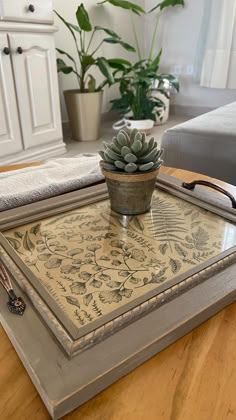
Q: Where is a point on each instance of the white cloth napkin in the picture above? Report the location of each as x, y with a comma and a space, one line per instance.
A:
54, 177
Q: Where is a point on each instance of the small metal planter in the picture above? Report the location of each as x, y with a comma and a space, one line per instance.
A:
130, 193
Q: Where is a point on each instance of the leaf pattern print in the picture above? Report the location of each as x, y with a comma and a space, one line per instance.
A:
92, 261
96, 283
53, 262
199, 239
72, 301
114, 284
110, 296
18, 234
175, 265
78, 288
163, 248
35, 229
87, 299
138, 223
14, 243
27, 243
182, 252
158, 277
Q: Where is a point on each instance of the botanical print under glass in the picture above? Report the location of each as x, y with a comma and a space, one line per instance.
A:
93, 261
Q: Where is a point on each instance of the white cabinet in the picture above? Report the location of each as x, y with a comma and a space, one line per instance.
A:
35, 74
30, 120
10, 135
38, 11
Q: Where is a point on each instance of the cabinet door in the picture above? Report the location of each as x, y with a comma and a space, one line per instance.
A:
37, 11
34, 66
10, 135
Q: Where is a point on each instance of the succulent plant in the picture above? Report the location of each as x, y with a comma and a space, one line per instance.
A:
131, 153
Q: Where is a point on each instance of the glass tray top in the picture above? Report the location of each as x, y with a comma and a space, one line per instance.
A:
91, 262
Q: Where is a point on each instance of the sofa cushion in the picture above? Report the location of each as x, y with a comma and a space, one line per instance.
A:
205, 144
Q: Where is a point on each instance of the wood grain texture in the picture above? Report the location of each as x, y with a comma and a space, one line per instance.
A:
193, 378
18, 166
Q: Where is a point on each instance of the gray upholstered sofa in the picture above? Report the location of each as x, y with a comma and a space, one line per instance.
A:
205, 144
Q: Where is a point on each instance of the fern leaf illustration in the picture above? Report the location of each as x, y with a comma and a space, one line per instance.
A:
175, 265
138, 224
96, 309
180, 250
163, 248
167, 222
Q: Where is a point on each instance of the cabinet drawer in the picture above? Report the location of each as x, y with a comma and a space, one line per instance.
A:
36, 11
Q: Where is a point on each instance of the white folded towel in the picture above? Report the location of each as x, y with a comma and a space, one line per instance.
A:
54, 177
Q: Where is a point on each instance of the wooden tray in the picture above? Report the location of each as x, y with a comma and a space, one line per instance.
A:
112, 290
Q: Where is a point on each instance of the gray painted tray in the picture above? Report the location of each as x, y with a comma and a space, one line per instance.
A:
93, 280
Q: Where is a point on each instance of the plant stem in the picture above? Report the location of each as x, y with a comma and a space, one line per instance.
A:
77, 74
91, 38
154, 36
78, 52
137, 111
82, 82
82, 72
135, 36
83, 41
99, 45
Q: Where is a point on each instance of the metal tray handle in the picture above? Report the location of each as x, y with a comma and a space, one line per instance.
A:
191, 185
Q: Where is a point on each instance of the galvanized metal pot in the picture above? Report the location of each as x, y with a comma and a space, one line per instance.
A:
130, 193
84, 110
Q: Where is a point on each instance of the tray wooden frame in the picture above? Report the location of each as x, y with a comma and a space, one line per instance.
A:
65, 383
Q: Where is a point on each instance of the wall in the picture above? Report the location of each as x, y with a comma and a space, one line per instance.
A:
107, 16
179, 36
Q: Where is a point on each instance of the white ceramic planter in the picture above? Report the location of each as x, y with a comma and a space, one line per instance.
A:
84, 110
163, 111
145, 126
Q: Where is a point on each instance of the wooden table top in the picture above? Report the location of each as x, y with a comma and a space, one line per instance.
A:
194, 378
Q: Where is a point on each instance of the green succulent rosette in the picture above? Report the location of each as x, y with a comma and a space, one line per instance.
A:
131, 153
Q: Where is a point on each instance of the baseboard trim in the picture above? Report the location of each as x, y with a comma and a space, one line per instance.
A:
36, 154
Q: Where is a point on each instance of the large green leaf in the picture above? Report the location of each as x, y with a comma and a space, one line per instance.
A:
118, 63
147, 106
105, 69
123, 104
139, 64
67, 55
167, 3
128, 47
108, 31
87, 61
62, 66
155, 62
125, 5
68, 25
91, 83
83, 19
102, 85
75, 27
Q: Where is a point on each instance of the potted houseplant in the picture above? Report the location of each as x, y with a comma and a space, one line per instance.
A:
84, 103
144, 93
139, 104
130, 165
